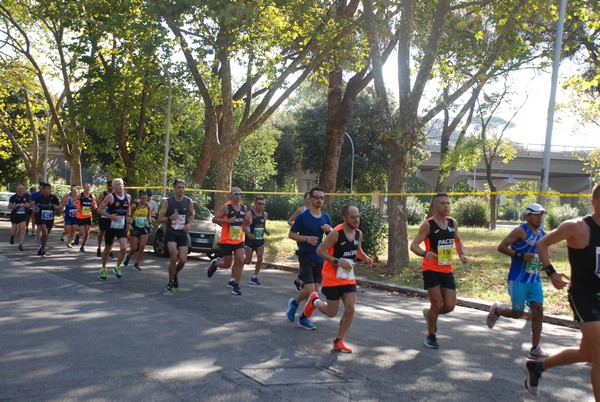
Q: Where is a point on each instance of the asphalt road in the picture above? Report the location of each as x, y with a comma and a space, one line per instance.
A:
67, 336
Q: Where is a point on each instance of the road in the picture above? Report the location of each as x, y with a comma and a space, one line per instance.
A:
67, 336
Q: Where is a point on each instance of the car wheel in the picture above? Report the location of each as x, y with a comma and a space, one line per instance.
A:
160, 245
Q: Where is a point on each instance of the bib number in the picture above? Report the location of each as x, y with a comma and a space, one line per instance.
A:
598, 261
445, 254
118, 223
21, 211
533, 266
179, 223
259, 233
235, 232
346, 274
72, 213
86, 211
141, 222
47, 215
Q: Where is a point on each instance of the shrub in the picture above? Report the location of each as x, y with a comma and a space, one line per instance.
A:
511, 214
415, 211
471, 211
281, 207
558, 215
372, 222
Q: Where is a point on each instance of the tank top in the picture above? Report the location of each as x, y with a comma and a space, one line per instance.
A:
585, 262
182, 208
257, 227
70, 208
343, 248
232, 233
17, 199
441, 242
104, 194
521, 270
84, 206
119, 206
140, 216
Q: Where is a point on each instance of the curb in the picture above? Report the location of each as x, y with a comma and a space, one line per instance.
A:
408, 291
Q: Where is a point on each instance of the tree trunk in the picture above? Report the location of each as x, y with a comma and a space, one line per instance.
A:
224, 164
398, 229
493, 196
335, 132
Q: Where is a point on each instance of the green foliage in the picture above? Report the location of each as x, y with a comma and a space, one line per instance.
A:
416, 211
511, 214
559, 214
255, 165
281, 207
372, 222
471, 212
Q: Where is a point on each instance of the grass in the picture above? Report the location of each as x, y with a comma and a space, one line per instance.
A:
484, 277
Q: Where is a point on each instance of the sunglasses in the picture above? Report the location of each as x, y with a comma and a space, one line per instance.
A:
238, 193
260, 203
318, 197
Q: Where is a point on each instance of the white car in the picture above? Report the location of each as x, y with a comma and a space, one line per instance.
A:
4, 197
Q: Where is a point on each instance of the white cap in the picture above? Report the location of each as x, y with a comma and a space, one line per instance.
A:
534, 209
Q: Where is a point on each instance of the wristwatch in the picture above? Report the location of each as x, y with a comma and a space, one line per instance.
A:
336, 261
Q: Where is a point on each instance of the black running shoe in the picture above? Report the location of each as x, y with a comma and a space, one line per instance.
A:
12, 240
236, 290
126, 261
175, 282
532, 376
212, 267
98, 253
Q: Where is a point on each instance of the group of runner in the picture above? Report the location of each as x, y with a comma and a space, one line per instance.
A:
327, 264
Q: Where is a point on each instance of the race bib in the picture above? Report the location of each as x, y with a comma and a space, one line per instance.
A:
259, 233
72, 213
47, 215
533, 266
598, 261
118, 223
86, 211
141, 222
445, 254
21, 210
235, 232
346, 274
179, 223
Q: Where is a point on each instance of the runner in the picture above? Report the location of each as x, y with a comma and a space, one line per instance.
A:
152, 205
37, 231
583, 246
45, 206
104, 222
85, 202
116, 206
19, 204
440, 234
255, 237
29, 214
524, 284
340, 249
307, 231
141, 226
298, 281
177, 212
232, 218
70, 212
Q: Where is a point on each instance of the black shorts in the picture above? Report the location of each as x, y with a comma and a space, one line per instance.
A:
432, 279
310, 271
48, 224
111, 234
18, 218
182, 239
103, 224
139, 232
84, 221
585, 305
336, 292
254, 244
228, 249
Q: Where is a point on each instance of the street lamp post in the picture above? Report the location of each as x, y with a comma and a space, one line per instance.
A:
352, 166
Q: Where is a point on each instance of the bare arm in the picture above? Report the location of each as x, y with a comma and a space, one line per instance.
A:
565, 231
420, 238
295, 215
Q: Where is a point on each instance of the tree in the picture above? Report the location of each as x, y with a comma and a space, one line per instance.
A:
504, 33
277, 45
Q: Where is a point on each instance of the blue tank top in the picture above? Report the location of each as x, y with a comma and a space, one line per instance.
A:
70, 209
521, 270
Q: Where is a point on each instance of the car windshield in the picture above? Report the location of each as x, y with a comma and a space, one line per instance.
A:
4, 197
202, 213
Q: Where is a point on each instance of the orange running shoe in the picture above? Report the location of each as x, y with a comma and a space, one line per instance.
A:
340, 346
309, 307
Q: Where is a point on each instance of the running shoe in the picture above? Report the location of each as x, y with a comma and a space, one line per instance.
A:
431, 342
126, 261
136, 267
298, 285
98, 253
340, 346
81, 249
12, 240
170, 288
492, 317
291, 310
69, 245
26, 232
176, 282
306, 324
103, 273
254, 280
537, 353
62, 236
236, 290
43, 254
20, 247
117, 271
76, 242
532, 376
309, 307
39, 252
111, 255
231, 283
212, 267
